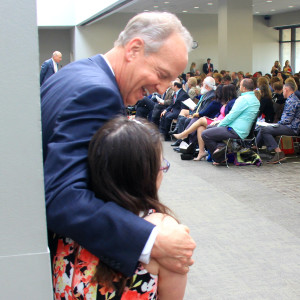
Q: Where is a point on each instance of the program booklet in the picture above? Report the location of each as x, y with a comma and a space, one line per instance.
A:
189, 103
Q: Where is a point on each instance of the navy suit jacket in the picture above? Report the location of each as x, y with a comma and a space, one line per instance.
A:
178, 105
47, 70
205, 68
76, 102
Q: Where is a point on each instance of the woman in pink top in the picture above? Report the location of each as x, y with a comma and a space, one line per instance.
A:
228, 98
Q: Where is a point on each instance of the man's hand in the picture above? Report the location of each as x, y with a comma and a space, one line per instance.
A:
195, 115
163, 113
173, 247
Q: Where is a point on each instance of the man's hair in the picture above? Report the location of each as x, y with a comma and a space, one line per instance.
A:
178, 84
210, 82
56, 53
227, 77
277, 86
192, 81
124, 161
154, 28
290, 82
218, 76
248, 84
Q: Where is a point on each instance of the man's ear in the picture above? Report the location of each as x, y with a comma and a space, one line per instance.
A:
134, 49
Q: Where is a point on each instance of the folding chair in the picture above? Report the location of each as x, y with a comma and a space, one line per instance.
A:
294, 138
172, 127
235, 145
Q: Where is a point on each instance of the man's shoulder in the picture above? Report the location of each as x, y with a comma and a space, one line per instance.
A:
47, 62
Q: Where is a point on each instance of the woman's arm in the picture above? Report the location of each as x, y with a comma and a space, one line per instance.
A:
171, 285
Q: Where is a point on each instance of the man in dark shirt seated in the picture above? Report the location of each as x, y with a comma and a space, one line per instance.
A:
173, 110
289, 123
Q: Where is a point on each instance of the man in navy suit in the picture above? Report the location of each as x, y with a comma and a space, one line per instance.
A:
78, 100
173, 110
208, 67
50, 66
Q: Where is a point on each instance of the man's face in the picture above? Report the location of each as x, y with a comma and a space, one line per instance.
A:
154, 71
208, 61
286, 91
57, 58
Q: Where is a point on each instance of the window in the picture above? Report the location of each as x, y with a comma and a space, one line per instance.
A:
289, 43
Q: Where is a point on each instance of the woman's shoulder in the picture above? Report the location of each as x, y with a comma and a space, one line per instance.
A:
159, 218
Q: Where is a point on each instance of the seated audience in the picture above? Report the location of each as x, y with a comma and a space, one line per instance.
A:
218, 78
235, 79
228, 98
173, 110
193, 92
162, 104
207, 94
226, 79
278, 100
134, 171
266, 109
144, 108
237, 124
185, 86
289, 123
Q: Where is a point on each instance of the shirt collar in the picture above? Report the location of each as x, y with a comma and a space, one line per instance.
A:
108, 63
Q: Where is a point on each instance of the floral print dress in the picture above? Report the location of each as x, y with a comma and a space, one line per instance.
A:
74, 268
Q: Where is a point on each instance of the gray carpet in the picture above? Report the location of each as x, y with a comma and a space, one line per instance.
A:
246, 223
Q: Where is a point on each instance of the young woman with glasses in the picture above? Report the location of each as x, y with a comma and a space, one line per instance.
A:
126, 166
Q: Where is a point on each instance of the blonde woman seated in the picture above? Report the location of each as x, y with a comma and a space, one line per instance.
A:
228, 98
193, 91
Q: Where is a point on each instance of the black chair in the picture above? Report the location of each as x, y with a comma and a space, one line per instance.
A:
234, 145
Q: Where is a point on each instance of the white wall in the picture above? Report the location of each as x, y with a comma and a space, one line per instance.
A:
265, 46
55, 13
99, 38
55, 39
291, 18
24, 257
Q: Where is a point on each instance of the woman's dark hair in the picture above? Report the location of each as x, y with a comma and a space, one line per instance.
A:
229, 93
219, 94
265, 91
124, 161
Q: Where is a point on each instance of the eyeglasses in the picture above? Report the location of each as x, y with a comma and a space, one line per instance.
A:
165, 166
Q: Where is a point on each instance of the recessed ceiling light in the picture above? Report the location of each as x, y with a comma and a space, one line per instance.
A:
273, 10
146, 9
155, 6
196, 6
269, 1
184, 11
257, 12
166, 2
291, 6
209, 3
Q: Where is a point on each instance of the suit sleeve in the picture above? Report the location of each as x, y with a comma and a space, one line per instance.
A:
211, 110
44, 69
110, 232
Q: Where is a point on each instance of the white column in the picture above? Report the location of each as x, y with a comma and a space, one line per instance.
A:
235, 35
24, 256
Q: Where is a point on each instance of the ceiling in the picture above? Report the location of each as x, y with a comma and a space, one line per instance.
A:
260, 7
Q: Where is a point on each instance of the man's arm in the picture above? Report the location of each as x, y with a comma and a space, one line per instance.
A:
110, 232
72, 209
44, 69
